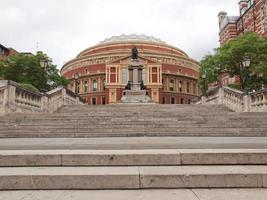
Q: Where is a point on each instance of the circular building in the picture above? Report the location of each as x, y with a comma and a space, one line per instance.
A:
108, 72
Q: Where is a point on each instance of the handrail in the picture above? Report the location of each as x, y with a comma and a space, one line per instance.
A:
236, 100
14, 99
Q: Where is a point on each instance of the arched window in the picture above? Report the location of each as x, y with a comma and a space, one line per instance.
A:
85, 86
95, 85
163, 84
104, 84
188, 87
172, 85
173, 100
180, 86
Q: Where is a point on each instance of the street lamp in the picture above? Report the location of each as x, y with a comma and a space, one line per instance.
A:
43, 64
246, 62
76, 78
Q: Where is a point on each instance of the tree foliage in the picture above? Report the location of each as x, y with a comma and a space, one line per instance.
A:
230, 59
26, 69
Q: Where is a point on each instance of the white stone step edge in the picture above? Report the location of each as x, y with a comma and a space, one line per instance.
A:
149, 157
61, 178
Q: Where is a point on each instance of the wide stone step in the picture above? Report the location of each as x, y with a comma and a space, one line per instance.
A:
146, 194
153, 157
53, 178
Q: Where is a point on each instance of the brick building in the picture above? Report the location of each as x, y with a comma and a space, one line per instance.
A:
6, 52
252, 17
101, 73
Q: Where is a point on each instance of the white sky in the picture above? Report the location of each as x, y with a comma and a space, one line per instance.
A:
63, 28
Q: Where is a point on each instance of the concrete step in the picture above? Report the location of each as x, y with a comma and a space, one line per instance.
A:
159, 194
153, 157
53, 178
127, 133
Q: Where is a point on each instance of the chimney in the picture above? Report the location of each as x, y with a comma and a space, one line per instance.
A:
243, 5
221, 17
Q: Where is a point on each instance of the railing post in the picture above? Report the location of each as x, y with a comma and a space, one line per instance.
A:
64, 96
203, 99
44, 103
247, 103
10, 97
221, 96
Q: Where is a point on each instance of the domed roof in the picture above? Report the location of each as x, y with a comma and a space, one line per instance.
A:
132, 37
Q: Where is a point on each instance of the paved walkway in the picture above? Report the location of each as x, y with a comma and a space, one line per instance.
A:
135, 143
198, 194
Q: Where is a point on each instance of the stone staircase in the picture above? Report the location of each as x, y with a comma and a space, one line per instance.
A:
134, 121
150, 171
132, 169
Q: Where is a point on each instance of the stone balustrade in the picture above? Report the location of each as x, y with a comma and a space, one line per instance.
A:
259, 100
16, 99
236, 100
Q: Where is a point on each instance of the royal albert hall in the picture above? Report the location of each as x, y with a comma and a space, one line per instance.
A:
101, 74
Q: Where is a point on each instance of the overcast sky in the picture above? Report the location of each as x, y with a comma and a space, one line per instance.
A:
63, 28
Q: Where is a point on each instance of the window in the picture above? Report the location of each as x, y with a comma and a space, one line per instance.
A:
172, 85
104, 84
163, 84
113, 75
93, 101
188, 87
180, 86
250, 3
124, 75
154, 74
194, 89
85, 86
78, 87
189, 101
172, 100
182, 101
95, 85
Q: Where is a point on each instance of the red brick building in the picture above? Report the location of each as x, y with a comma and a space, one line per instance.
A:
6, 52
101, 73
252, 17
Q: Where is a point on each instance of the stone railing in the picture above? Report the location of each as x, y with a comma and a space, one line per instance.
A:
259, 101
16, 99
236, 100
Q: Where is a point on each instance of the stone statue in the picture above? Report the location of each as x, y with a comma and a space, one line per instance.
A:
134, 53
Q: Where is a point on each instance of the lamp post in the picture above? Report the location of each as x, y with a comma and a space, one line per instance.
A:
43, 64
246, 64
76, 78
204, 76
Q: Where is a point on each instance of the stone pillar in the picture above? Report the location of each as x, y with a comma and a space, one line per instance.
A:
247, 103
140, 75
221, 95
135, 75
131, 75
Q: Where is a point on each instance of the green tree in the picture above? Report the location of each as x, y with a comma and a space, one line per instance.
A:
230, 59
26, 69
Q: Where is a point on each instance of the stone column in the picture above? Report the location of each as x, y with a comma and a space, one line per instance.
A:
131, 75
135, 75
140, 75
247, 103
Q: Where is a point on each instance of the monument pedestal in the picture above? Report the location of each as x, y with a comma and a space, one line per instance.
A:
134, 92
135, 96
